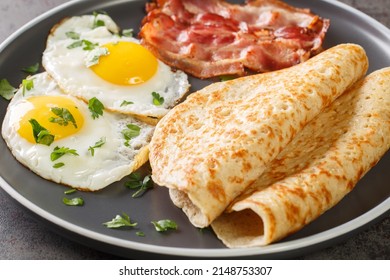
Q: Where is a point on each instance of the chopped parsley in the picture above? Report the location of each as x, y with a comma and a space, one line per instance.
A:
140, 233
125, 103
87, 45
157, 99
59, 152
58, 165
93, 57
130, 132
27, 85
136, 182
98, 144
64, 117
31, 69
72, 35
41, 134
98, 22
120, 221
77, 201
96, 107
164, 225
128, 32
7, 91
70, 191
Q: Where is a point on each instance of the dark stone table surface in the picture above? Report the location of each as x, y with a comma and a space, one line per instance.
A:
23, 237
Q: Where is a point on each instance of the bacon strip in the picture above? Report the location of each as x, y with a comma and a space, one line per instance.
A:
213, 38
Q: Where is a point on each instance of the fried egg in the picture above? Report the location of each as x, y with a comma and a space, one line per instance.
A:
68, 141
88, 58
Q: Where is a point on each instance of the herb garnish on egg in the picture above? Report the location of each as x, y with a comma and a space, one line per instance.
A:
64, 117
87, 45
96, 107
157, 99
130, 132
98, 22
127, 32
98, 144
125, 102
59, 152
93, 56
58, 165
41, 134
72, 35
27, 85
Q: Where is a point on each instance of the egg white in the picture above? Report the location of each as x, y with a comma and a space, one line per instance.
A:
110, 163
68, 68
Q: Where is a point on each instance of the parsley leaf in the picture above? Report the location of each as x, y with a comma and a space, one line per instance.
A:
125, 102
164, 225
77, 201
127, 32
135, 182
98, 22
64, 117
72, 35
70, 191
130, 132
120, 221
59, 152
6, 90
140, 233
93, 57
87, 45
27, 85
96, 107
75, 44
41, 134
58, 165
98, 144
157, 99
31, 69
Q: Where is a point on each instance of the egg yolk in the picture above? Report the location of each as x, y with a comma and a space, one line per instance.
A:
42, 112
126, 64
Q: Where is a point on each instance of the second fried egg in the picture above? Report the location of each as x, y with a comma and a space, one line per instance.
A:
88, 58
65, 140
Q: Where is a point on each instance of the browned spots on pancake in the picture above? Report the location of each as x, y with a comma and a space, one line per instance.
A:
212, 164
337, 160
216, 190
325, 193
241, 154
266, 129
246, 166
234, 133
236, 179
293, 212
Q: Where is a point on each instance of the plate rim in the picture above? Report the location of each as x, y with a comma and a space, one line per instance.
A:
284, 247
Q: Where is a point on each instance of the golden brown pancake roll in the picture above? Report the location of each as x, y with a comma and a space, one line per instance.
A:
209, 149
316, 170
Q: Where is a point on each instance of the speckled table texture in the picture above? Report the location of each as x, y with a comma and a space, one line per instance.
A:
23, 237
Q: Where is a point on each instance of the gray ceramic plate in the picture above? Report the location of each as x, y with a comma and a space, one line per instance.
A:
366, 203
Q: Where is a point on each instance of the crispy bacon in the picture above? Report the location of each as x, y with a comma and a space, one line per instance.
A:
213, 38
